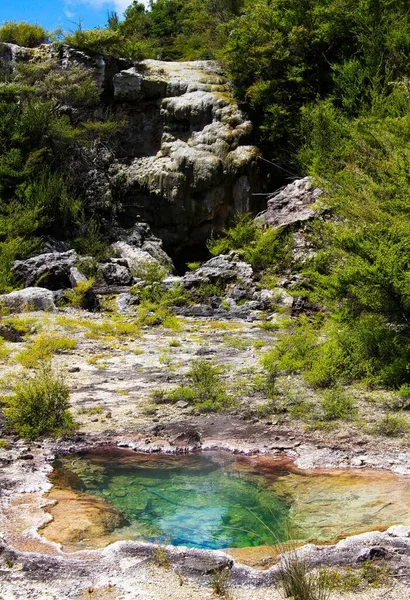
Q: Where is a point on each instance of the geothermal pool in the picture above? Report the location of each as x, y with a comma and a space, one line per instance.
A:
216, 500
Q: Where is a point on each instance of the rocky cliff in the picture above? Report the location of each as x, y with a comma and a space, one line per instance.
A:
183, 161
191, 163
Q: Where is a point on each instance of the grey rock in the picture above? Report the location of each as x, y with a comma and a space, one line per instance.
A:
222, 268
201, 168
29, 299
125, 301
53, 245
76, 277
115, 273
181, 404
10, 334
293, 204
51, 270
372, 553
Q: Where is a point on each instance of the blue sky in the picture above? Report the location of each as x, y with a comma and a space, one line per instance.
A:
58, 13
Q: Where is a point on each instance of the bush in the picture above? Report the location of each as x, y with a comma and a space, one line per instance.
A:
336, 404
262, 249
393, 425
23, 34
205, 392
39, 405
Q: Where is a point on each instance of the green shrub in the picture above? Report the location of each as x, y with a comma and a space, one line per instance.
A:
111, 42
150, 271
241, 235
23, 34
262, 249
205, 392
393, 425
336, 404
39, 405
294, 350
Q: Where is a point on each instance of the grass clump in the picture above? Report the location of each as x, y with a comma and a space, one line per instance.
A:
39, 405
43, 348
393, 425
299, 583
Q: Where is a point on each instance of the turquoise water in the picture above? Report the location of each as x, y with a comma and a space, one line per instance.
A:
219, 500
207, 500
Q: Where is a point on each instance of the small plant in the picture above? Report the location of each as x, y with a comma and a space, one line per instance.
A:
298, 582
79, 296
150, 271
3, 444
161, 557
236, 342
39, 405
174, 344
220, 580
184, 393
90, 412
9, 561
43, 348
192, 266
336, 404
393, 425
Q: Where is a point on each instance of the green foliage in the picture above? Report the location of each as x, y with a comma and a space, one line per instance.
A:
78, 296
39, 405
43, 348
150, 271
269, 249
336, 404
110, 41
240, 236
393, 425
42, 159
205, 391
23, 34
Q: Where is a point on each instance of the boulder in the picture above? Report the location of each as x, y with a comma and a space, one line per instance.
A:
224, 268
293, 204
29, 299
125, 301
134, 256
51, 270
76, 277
138, 244
116, 273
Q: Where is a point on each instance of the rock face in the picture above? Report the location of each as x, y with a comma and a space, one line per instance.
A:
193, 165
184, 162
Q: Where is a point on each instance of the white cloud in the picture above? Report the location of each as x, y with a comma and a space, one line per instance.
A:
120, 5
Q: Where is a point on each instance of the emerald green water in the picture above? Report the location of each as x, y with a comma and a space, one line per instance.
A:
200, 500
219, 500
